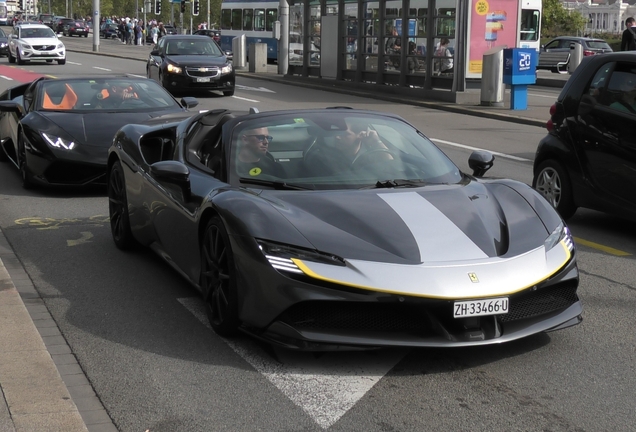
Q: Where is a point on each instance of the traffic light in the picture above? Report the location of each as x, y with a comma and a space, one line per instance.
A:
195, 7
182, 6
157, 7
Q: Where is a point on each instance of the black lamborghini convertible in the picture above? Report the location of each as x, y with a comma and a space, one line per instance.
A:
58, 131
325, 228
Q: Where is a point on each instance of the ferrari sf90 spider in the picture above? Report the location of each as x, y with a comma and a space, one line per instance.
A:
325, 228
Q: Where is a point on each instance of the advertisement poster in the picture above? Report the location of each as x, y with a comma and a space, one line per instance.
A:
492, 23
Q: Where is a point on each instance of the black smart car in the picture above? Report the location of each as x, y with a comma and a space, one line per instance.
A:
588, 158
190, 62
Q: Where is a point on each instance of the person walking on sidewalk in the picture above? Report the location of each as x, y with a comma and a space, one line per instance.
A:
628, 40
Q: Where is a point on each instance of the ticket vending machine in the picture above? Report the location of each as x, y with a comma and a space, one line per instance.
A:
520, 70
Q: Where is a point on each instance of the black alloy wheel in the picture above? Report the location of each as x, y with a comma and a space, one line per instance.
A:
552, 181
27, 178
18, 58
218, 279
11, 58
118, 209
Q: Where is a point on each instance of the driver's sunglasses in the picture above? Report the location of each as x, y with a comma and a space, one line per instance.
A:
262, 137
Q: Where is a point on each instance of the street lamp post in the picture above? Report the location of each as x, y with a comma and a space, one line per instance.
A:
208, 18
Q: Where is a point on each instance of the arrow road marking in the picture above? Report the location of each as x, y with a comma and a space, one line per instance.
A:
73, 63
101, 68
86, 236
325, 387
261, 89
245, 99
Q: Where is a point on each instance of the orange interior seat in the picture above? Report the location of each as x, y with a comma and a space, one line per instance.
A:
68, 100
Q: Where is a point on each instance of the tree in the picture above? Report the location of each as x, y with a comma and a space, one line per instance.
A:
558, 21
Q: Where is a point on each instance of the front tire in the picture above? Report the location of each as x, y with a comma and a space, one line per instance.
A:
18, 58
228, 93
218, 279
553, 182
11, 58
118, 208
61, 62
27, 177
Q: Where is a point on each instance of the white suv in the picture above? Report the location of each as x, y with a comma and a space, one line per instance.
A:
35, 42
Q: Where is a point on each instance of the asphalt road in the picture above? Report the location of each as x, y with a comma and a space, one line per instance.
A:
139, 334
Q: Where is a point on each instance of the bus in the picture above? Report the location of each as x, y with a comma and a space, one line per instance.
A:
4, 20
252, 18
530, 25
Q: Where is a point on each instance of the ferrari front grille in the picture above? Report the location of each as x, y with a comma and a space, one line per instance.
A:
534, 303
373, 317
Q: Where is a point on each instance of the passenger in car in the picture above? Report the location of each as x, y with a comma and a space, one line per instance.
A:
356, 146
253, 158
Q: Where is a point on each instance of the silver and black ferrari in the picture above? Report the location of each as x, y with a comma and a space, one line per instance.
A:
341, 228
58, 131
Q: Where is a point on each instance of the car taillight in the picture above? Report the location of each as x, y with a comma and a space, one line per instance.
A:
588, 53
550, 124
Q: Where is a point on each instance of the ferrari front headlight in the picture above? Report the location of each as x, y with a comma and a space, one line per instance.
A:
226, 69
174, 69
59, 143
282, 257
561, 232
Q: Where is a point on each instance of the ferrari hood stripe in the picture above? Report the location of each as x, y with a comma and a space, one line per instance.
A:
437, 237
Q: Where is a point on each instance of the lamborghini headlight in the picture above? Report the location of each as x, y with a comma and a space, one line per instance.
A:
59, 143
174, 69
226, 69
561, 232
282, 257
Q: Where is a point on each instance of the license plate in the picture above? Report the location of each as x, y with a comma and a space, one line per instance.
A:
203, 79
470, 308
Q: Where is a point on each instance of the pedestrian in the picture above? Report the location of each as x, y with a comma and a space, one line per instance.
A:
154, 31
444, 57
628, 40
139, 34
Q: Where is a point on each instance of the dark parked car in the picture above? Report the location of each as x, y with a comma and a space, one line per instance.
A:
4, 44
588, 157
47, 19
57, 131
170, 30
214, 34
191, 62
75, 28
294, 239
561, 44
60, 23
109, 31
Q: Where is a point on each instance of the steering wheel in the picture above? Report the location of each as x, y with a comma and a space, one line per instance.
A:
364, 155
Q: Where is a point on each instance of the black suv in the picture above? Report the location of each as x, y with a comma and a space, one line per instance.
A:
61, 22
588, 158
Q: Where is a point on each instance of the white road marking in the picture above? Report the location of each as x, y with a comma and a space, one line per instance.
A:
503, 155
245, 99
544, 96
6, 77
73, 63
325, 387
260, 89
138, 76
101, 68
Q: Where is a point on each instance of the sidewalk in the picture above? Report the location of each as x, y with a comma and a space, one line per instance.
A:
42, 387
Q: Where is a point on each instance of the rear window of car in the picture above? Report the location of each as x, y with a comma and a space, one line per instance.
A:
598, 45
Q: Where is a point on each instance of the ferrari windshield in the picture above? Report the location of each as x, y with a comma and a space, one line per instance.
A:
112, 94
336, 148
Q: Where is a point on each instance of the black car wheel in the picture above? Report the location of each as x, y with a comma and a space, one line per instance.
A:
18, 58
218, 279
228, 93
61, 62
27, 178
118, 209
11, 58
552, 181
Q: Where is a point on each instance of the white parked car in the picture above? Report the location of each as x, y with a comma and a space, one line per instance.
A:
30, 42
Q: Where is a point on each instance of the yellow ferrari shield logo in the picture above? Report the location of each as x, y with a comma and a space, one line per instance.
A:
473, 277
255, 171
